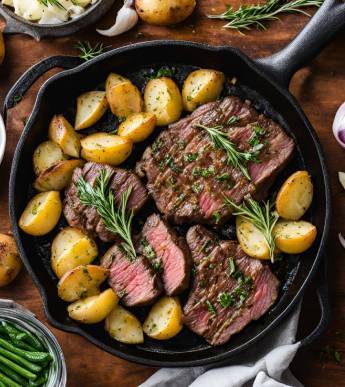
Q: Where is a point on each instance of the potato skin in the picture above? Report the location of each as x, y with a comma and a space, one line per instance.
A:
164, 12
295, 196
202, 86
71, 248
92, 310
47, 154
41, 213
137, 127
58, 176
106, 148
162, 98
10, 263
90, 108
294, 237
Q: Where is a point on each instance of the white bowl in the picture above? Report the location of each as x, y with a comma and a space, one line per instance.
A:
2, 138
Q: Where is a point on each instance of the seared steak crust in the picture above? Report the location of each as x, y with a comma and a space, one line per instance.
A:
168, 252
188, 177
229, 288
135, 282
86, 218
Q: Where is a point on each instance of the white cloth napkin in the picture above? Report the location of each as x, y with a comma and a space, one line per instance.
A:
266, 365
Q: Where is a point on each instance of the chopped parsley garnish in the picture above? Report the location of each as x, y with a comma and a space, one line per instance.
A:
148, 249
204, 172
225, 299
255, 140
216, 216
232, 120
163, 72
223, 177
157, 145
169, 161
210, 307
196, 188
232, 266
203, 283
189, 157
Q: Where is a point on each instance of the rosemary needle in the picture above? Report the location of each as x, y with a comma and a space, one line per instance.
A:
248, 16
87, 51
116, 220
55, 3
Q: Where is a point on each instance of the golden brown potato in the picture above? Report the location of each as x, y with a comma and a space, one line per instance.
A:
123, 326
163, 99
165, 319
46, 155
92, 310
294, 237
106, 148
137, 127
63, 134
58, 176
2, 48
10, 263
90, 108
295, 196
80, 282
41, 213
71, 248
123, 96
164, 12
202, 86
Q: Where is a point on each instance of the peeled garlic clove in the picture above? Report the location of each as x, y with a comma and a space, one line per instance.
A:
126, 19
341, 176
339, 125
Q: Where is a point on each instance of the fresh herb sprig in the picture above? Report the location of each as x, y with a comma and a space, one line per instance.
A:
88, 51
261, 215
116, 219
236, 158
55, 3
248, 16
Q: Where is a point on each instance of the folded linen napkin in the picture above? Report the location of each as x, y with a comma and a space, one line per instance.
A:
265, 365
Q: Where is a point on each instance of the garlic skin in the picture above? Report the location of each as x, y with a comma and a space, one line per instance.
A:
126, 19
339, 125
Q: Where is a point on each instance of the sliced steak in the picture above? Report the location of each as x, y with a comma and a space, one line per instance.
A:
135, 282
188, 177
229, 288
168, 253
86, 218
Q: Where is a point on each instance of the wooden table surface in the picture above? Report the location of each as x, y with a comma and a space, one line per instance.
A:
320, 89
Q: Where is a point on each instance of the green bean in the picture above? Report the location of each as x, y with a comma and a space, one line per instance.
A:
21, 334
31, 356
25, 363
17, 368
13, 375
22, 345
8, 382
2, 384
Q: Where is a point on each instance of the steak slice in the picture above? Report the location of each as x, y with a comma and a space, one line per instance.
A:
87, 218
167, 252
188, 177
229, 288
135, 282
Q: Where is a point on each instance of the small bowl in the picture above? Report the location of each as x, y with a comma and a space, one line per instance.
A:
16, 24
2, 139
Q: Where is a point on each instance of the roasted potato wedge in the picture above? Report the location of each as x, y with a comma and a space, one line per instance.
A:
58, 176
251, 239
137, 127
80, 282
123, 96
165, 319
202, 86
63, 134
164, 12
71, 248
163, 99
295, 196
294, 237
10, 263
90, 108
106, 148
2, 48
93, 309
123, 326
46, 155
41, 213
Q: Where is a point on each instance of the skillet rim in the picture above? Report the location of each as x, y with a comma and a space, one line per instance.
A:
254, 67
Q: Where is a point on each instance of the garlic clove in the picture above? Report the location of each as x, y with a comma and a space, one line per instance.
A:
339, 125
341, 177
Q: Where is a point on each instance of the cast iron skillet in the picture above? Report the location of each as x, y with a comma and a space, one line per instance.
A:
264, 82
16, 24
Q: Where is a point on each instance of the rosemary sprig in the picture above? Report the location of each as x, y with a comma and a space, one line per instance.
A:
52, 2
87, 51
248, 16
116, 220
236, 158
261, 215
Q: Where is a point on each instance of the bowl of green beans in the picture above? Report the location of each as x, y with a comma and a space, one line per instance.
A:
29, 353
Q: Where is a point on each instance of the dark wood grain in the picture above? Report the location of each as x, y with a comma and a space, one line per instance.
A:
320, 89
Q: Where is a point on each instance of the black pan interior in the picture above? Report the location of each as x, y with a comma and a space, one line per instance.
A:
138, 63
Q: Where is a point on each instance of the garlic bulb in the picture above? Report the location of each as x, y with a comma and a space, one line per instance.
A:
339, 125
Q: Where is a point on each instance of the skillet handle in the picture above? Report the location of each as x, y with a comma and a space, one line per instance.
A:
307, 44
325, 309
24, 83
